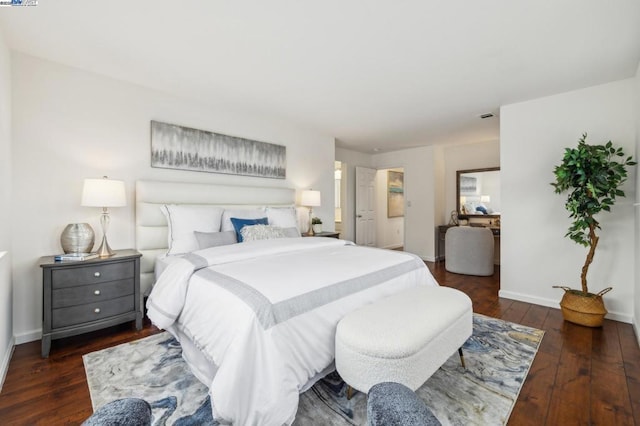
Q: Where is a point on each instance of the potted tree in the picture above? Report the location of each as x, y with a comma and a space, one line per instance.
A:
592, 176
316, 224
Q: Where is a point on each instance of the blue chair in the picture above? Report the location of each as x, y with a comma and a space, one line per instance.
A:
394, 404
121, 412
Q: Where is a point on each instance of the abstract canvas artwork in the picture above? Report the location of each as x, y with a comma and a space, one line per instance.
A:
468, 185
395, 194
184, 148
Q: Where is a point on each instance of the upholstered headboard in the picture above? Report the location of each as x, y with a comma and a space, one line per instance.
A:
151, 225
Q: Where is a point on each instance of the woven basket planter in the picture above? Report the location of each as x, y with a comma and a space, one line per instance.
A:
583, 309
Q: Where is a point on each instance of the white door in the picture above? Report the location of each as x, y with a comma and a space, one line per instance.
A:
365, 206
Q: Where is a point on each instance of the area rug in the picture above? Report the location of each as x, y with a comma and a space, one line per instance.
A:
498, 357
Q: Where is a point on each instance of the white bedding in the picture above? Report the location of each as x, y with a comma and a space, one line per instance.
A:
264, 313
161, 264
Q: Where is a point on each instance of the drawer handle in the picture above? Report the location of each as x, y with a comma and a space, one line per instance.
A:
97, 292
96, 274
96, 310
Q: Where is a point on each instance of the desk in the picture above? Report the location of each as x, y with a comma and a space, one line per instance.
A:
328, 234
440, 245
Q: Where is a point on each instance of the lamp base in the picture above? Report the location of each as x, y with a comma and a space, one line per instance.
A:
104, 250
310, 232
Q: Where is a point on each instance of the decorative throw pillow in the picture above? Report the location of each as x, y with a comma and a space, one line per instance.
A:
215, 239
283, 217
239, 223
261, 232
226, 224
184, 219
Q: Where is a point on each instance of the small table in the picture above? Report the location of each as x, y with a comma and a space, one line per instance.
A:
83, 296
329, 234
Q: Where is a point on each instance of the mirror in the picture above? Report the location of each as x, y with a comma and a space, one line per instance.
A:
478, 193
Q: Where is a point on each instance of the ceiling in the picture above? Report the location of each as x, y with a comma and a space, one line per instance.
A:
376, 75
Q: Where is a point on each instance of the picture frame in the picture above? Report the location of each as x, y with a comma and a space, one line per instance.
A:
468, 185
395, 194
185, 148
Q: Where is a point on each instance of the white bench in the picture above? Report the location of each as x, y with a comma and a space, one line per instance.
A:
404, 338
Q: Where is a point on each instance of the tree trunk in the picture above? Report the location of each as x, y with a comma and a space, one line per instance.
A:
593, 238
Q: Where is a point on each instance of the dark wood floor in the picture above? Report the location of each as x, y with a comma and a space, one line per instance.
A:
580, 376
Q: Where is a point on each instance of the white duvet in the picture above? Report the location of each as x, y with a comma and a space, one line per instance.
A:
264, 314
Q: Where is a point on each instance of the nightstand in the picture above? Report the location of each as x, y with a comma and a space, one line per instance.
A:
324, 234
83, 296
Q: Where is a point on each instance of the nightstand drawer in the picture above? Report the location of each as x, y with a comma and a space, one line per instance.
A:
80, 314
90, 293
91, 274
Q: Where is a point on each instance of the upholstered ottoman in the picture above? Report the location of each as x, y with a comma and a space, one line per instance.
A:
404, 338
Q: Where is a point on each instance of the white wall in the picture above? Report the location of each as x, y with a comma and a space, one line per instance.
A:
389, 230
352, 159
464, 157
69, 124
535, 253
6, 322
422, 198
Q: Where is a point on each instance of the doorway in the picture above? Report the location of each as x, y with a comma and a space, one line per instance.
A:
339, 194
390, 202
379, 207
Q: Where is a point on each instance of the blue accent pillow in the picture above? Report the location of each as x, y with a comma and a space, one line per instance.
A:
238, 224
481, 209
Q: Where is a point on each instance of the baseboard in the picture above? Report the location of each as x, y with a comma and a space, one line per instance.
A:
4, 367
552, 303
29, 336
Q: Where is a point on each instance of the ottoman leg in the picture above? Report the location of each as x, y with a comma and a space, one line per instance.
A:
461, 357
349, 392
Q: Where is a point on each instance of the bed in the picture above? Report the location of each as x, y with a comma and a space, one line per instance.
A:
256, 320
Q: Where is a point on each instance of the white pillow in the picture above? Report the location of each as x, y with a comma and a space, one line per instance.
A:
215, 239
256, 213
470, 207
283, 217
261, 232
291, 232
184, 219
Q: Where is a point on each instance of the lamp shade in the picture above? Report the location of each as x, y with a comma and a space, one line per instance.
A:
485, 199
310, 198
103, 193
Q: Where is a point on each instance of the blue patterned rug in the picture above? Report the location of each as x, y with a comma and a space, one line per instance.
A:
498, 357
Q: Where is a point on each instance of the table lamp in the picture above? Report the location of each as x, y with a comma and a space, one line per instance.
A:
104, 193
310, 198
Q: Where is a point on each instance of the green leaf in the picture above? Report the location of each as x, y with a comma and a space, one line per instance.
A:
591, 175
